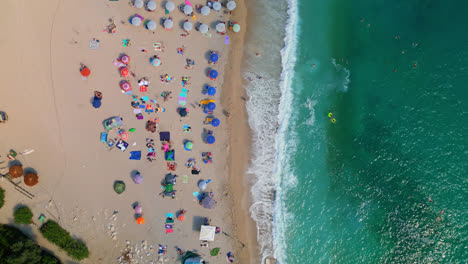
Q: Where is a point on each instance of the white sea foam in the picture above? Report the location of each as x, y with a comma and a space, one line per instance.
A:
347, 74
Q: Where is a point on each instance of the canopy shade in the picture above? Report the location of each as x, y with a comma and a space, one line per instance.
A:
188, 26
151, 5
138, 3
168, 24
231, 5
207, 233
203, 28
16, 171
136, 21
188, 10
151, 25
216, 6
205, 10
170, 6
207, 202
221, 27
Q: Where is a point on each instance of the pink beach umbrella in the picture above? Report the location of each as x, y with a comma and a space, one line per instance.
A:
138, 179
125, 59
138, 210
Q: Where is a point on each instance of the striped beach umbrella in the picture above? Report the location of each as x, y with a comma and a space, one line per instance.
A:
231, 5
170, 6
125, 86
124, 72
188, 26
203, 28
205, 11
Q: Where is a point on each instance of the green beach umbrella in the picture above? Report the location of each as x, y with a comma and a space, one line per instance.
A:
188, 145
169, 187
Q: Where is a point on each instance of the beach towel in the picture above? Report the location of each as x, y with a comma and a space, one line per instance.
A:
122, 145
185, 179
187, 2
182, 94
103, 137
135, 155
136, 111
139, 116
126, 42
168, 231
170, 215
143, 89
226, 40
167, 226
145, 98
195, 193
165, 136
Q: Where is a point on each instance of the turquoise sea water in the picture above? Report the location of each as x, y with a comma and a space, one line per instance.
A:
386, 183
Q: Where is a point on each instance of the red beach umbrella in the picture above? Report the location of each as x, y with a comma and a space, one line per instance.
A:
140, 220
124, 72
85, 71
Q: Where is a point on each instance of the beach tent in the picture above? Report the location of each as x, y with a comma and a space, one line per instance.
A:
188, 10
168, 24
205, 10
203, 28
31, 179
170, 155
207, 233
136, 21
16, 171
138, 3
221, 27
138, 179
210, 139
216, 6
214, 56
119, 187
202, 185
207, 202
113, 122
192, 258
165, 136
231, 5
170, 6
215, 122
188, 26
151, 5
151, 25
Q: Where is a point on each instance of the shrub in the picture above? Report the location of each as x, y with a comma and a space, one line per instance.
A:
2, 197
53, 232
214, 252
23, 215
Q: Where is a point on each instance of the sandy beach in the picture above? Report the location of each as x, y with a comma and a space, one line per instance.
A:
49, 109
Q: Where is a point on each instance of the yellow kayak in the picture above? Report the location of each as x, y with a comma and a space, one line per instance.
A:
203, 102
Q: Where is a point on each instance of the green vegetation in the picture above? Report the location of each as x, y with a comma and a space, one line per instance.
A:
214, 252
53, 232
23, 215
2, 197
17, 248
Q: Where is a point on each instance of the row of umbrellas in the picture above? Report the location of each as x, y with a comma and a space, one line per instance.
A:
188, 26
170, 6
30, 179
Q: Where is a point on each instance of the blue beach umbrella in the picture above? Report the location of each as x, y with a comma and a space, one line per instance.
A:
211, 106
215, 122
213, 74
211, 90
210, 139
214, 57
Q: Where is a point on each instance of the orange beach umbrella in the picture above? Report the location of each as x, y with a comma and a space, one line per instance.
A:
16, 171
140, 220
31, 179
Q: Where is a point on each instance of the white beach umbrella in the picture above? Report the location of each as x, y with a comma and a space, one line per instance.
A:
188, 26
168, 24
151, 5
188, 10
151, 25
231, 5
138, 3
216, 6
205, 10
236, 28
136, 21
170, 6
221, 27
203, 28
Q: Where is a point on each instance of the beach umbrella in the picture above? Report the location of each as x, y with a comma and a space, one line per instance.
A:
125, 59
119, 187
125, 86
169, 187
188, 26
140, 220
138, 179
16, 171
151, 5
170, 6
138, 209
168, 24
215, 122
183, 112
138, 3
188, 10
216, 6
231, 5
123, 135
205, 10
169, 178
124, 71
236, 27
96, 102
210, 139
136, 21
202, 185
221, 27
155, 62
211, 90
214, 56
31, 179
208, 202
203, 28
188, 145
211, 106
181, 217
151, 25
213, 74
85, 71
